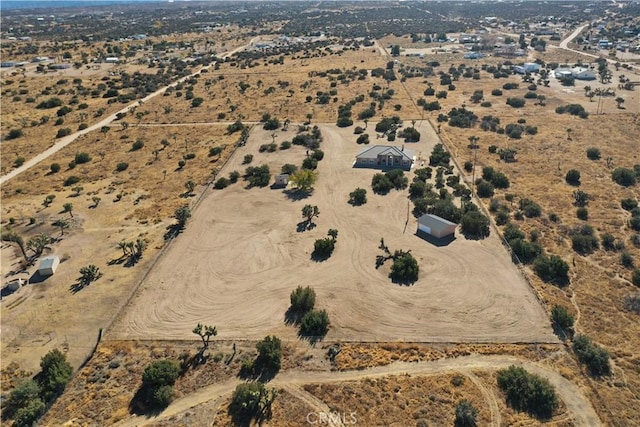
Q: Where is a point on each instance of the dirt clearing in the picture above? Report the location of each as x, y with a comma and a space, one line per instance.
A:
241, 256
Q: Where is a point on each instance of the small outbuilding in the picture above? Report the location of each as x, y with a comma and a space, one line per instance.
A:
48, 265
435, 226
282, 180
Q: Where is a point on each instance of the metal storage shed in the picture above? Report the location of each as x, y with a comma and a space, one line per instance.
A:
435, 226
48, 265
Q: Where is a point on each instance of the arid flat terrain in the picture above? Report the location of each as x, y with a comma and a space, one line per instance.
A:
242, 255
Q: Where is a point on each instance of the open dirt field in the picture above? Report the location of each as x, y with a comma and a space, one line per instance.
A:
241, 256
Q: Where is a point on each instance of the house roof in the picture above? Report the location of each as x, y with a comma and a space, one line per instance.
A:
377, 150
435, 222
48, 262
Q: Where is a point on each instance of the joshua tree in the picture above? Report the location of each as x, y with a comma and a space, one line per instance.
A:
569, 130
190, 186
62, 223
309, 211
89, 274
619, 102
333, 233
68, 207
38, 244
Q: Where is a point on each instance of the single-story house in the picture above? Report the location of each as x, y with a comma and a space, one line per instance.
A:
435, 226
384, 157
111, 59
531, 67
282, 180
48, 265
582, 73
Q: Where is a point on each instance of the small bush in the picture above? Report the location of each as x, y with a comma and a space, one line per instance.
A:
221, 183
629, 204
71, 180
593, 153
528, 392
63, 132
122, 166
573, 177
552, 269
405, 268
314, 324
137, 145
358, 197
595, 357
623, 176
582, 213
82, 158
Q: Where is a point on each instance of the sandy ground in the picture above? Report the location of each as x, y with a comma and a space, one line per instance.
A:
241, 256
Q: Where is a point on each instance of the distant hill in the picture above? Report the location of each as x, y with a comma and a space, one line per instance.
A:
56, 4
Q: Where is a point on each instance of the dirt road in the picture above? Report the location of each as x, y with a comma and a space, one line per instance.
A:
577, 404
63, 142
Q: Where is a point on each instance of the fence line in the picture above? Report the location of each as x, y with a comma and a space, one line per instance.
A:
516, 261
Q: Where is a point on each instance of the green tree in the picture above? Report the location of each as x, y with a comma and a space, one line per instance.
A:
304, 179
55, 374
96, 201
552, 269
528, 392
595, 357
323, 248
25, 391
269, 355
302, 300
182, 214
358, 197
161, 373
562, 320
405, 268
27, 415
474, 224
314, 324
205, 332
9, 235
466, 414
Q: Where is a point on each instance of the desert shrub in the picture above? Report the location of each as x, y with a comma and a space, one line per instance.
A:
63, 132
582, 213
496, 92
594, 357
71, 180
358, 197
234, 176
510, 86
215, 151
593, 153
466, 414
634, 223
285, 145
635, 277
525, 251
397, 178
530, 208
626, 259
462, 118
82, 158
583, 240
573, 109
55, 167
258, 176
288, 169
514, 131
271, 124
474, 224
323, 248
528, 392
314, 324
629, 204
484, 189
14, 134
302, 300
623, 176
49, 103
468, 166
122, 166
250, 400
248, 158
161, 373
516, 102
485, 104
221, 183
27, 415
573, 177
363, 139
562, 320
405, 268
552, 269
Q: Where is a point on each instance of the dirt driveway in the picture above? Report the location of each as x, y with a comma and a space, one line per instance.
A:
241, 256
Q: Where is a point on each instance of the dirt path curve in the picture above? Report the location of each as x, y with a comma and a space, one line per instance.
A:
318, 405
489, 397
577, 404
63, 142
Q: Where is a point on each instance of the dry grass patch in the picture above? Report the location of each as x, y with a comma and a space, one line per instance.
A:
402, 400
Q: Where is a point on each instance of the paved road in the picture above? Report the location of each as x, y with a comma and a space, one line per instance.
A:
580, 410
63, 142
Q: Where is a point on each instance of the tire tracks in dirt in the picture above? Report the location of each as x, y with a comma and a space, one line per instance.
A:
580, 409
